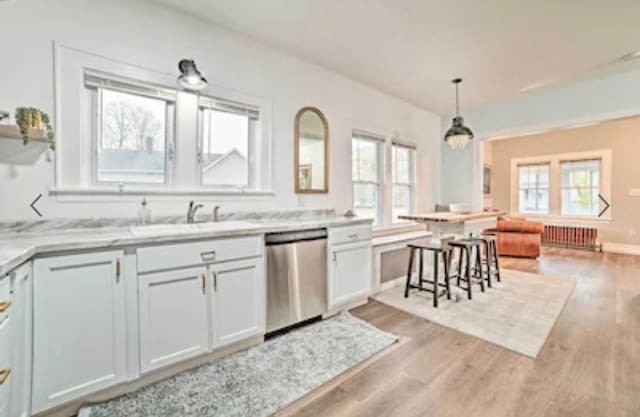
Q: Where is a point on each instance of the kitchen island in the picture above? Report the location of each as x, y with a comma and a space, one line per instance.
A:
443, 224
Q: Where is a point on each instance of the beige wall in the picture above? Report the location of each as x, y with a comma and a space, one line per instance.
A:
621, 136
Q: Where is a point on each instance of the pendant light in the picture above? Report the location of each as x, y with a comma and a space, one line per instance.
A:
458, 135
190, 78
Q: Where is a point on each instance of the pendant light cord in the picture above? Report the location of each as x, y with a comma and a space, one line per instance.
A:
457, 101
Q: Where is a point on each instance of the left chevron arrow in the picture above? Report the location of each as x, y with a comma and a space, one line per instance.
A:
33, 205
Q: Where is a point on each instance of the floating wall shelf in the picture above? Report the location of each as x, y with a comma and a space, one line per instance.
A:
14, 151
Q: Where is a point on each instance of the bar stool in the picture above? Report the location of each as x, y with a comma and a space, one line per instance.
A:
439, 250
489, 257
492, 257
469, 255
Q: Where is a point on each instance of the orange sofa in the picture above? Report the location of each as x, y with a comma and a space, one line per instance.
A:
519, 237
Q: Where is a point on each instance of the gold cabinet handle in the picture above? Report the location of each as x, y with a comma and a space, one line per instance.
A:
4, 374
118, 270
354, 236
215, 281
203, 278
4, 306
208, 256
335, 257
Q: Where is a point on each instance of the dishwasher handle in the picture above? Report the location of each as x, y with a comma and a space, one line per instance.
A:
283, 238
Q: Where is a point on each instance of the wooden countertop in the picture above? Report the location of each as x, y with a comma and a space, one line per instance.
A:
448, 217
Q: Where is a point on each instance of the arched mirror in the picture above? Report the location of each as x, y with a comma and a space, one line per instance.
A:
311, 152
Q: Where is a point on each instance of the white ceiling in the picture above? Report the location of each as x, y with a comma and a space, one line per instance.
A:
412, 48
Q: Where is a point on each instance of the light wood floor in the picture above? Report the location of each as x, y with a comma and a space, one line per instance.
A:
589, 366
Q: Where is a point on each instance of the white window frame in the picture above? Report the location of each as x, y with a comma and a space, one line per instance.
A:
555, 185
379, 141
75, 122
96, 82
412, 176
536, 187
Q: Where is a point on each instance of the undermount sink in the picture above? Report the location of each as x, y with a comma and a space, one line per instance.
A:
169, 229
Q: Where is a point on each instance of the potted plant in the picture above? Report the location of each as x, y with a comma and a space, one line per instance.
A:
30, 118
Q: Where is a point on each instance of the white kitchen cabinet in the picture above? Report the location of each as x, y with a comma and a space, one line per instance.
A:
173, 316
79, 344
349, 272
7, 370
238, 301
21, 292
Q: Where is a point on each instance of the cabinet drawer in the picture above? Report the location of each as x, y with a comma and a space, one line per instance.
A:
5, 298
157, 258
348, 234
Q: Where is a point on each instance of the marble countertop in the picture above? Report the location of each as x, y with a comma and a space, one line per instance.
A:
17, 248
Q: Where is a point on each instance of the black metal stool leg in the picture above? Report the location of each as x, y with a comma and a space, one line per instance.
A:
412, 253
496, 256
420, 268
460, 259
488, 259
468, 259
478, 261
446, 257
436, 269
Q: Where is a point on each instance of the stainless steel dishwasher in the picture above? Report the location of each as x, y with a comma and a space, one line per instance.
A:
296, 277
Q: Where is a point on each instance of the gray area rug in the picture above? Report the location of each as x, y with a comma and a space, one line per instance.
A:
259, 381
517, 313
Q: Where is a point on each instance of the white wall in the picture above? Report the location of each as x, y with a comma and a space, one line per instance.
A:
579, 103
152, 36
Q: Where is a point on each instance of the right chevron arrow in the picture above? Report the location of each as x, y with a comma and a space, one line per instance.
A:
606, 204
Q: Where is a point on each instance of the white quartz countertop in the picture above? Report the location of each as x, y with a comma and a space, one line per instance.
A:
17, 248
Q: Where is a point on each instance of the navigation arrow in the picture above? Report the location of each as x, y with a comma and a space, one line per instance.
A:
33, 205
606, 203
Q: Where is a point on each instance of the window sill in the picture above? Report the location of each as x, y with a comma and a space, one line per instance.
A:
96, 193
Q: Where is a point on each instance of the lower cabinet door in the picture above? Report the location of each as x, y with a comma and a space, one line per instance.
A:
21, 342
238, 302
79, 326
349, 273
173, 316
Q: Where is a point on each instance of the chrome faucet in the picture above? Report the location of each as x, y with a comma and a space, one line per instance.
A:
191, 212
216, 214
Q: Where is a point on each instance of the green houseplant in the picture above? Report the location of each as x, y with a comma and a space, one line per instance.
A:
32, 118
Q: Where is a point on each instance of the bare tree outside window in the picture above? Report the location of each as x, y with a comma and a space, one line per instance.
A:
132, 145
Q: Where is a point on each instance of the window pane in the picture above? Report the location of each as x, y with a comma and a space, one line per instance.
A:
401, 201
523, 173
225, 148
133, 139
365, 200
402, 164
532, 200
543, 177
580, 201
367, 160
580, 187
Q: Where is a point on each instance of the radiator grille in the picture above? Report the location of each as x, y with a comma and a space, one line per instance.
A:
570, 237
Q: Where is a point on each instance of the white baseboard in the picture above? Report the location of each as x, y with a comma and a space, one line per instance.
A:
623, 248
